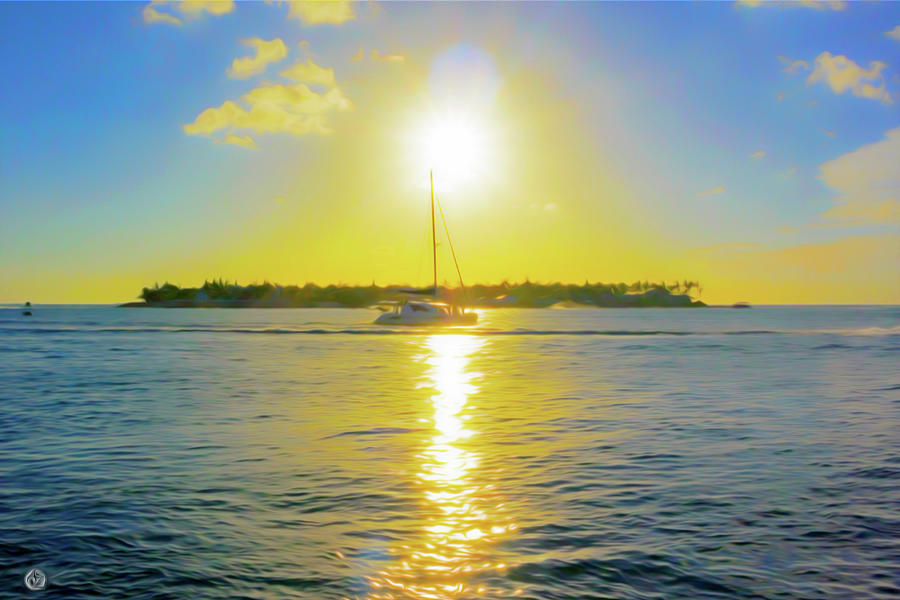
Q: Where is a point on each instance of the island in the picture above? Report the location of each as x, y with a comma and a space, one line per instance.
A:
224, 294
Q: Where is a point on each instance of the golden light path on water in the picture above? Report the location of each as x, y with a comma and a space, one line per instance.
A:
464, 513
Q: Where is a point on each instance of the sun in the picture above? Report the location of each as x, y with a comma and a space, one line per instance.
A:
455, 147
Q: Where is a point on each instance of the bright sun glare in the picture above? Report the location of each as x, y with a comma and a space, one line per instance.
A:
455, 147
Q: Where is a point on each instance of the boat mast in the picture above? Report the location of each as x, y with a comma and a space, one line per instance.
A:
433, 240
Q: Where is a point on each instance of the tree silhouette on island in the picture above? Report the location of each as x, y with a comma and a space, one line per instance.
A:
220, 293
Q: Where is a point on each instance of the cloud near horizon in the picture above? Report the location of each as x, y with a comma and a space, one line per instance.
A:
837, 269
868, 183
188, 8
837, 256
267, 51
842, 74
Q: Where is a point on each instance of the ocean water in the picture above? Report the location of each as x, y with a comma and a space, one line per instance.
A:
544, 454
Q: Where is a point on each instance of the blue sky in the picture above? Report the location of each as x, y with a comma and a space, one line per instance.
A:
658, 107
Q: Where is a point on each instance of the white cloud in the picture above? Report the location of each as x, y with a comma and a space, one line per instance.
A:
275, 108
246, 141
320, 12
267, 51
817, 4
213, 7
712, 191
842, 74
376, 55
793, 66
824, 4
152, 15
189, 9
387, 57
310, 72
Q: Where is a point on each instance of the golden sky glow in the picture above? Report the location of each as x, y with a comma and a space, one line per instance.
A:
291, 142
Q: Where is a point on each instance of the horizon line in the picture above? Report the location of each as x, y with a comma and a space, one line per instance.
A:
4, 304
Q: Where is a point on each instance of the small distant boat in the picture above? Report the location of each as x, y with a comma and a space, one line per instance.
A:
741, 305
27, 311
427, 312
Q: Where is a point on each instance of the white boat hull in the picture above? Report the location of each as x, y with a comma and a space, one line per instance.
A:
426, 313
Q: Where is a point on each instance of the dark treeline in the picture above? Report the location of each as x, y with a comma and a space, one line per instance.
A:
526, 294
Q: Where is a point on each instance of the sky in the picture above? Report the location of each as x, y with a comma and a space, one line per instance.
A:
753, 146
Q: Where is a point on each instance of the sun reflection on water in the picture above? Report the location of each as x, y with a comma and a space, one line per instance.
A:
464, 518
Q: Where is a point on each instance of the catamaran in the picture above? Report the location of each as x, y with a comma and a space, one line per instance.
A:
428, 312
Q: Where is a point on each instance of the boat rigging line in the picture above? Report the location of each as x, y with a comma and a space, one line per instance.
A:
452, 251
